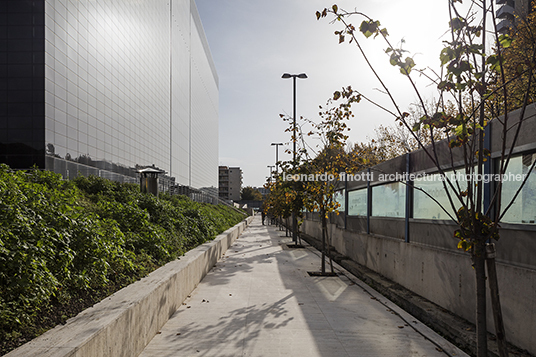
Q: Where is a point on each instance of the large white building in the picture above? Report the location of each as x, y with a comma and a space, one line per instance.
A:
103, 87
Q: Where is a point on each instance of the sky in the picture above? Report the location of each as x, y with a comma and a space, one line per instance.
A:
254, 42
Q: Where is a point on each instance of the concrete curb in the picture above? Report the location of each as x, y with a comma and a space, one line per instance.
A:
124, 323
453, 328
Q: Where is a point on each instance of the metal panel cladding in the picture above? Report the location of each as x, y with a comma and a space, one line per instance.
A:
111, 85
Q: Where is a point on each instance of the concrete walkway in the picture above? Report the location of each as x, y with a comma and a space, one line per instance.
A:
259, 300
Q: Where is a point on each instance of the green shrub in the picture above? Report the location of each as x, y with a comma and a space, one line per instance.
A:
61, 238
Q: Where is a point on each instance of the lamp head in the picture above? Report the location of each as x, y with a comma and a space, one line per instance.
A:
288, 75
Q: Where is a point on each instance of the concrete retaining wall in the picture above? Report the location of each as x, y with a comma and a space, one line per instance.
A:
124, 323
442, 276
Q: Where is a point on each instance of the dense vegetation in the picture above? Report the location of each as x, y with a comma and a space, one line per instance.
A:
64, 245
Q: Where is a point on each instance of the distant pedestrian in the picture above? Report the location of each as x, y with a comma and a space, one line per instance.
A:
263, 217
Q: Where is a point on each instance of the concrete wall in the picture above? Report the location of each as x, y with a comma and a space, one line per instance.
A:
443, 276
123, 324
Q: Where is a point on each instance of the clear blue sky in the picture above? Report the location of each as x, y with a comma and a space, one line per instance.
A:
254, 42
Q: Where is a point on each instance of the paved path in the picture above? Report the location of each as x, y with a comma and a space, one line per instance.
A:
259, 300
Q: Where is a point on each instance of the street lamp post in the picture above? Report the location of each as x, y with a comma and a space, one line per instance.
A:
294, 76
270, 177
276, 157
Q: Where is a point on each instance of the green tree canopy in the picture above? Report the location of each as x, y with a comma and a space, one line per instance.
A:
518, 56
251, 194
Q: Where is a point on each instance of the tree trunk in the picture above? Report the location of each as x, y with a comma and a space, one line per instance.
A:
324, 226
298, 235
479, 260
328, 240
495, 301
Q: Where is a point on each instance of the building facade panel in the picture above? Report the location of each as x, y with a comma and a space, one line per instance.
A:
180, 92
204, 109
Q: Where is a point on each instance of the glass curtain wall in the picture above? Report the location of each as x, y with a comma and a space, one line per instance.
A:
426, 208
357, 202
389, 200
524, 208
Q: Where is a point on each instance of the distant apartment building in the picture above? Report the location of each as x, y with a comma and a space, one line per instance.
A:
264, 191
106, 87
230, 183
510, 11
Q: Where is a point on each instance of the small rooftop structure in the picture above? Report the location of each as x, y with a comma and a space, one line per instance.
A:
149, 179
